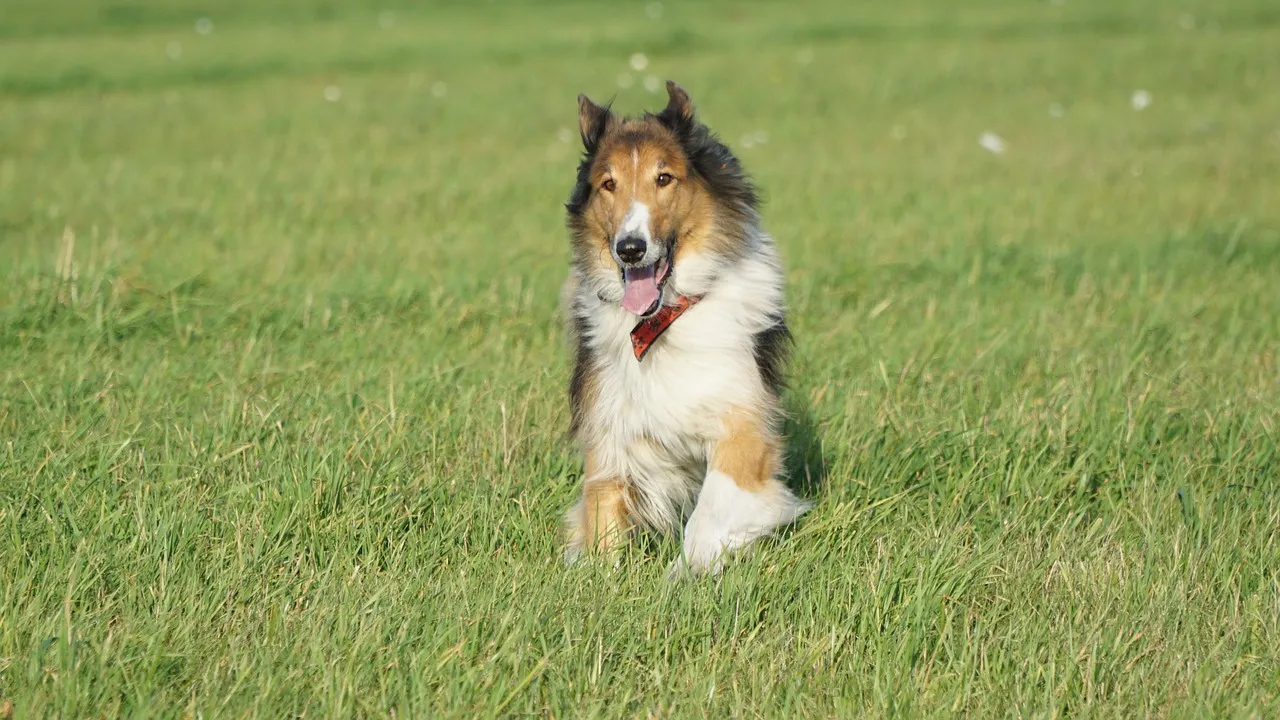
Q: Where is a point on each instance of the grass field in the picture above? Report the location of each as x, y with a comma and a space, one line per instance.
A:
283, 417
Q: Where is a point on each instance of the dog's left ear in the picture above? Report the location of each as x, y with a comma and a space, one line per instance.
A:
593, 121
678, 114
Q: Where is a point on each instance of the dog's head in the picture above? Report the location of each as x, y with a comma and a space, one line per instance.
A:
659, 202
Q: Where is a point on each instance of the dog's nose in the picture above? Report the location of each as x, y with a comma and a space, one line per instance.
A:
631, 249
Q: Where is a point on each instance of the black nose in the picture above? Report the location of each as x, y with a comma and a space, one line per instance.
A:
631, 249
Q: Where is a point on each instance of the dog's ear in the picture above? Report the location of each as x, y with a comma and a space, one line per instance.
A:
593, 120
678, 115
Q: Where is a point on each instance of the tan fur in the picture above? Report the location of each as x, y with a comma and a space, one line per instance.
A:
748, 452
632, 154
603, 523
705, 238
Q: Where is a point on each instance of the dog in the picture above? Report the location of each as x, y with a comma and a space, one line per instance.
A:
676, 314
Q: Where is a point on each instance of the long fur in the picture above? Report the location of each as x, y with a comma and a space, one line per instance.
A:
656, 425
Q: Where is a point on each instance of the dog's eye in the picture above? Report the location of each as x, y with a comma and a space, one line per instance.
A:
608, 185
664, 179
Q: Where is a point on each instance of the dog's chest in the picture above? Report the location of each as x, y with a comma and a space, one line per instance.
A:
697, 370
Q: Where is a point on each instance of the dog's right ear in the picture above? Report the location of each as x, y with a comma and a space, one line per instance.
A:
593, 120
678, 114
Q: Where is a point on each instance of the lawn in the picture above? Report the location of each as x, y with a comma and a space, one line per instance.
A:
283, 418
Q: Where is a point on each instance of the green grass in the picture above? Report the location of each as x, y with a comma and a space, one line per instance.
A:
283, 417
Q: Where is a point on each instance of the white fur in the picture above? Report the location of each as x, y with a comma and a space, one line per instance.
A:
728, 518
656, 421
636, 222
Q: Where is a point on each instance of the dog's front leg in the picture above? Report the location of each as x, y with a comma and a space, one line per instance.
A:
741, 497
599, 521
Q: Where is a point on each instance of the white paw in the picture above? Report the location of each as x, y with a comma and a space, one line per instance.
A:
682, 567
728, 518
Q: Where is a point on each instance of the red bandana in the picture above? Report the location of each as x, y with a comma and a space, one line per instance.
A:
645, 334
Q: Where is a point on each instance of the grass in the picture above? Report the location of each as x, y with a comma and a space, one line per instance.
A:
282, 389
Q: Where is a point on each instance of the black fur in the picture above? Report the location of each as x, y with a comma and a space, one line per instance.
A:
772, 348
581, 189
581, 369
715, 163
590, 144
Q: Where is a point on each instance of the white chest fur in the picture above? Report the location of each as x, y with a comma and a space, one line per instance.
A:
654, 421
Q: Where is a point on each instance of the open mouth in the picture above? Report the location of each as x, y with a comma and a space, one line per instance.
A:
642, 287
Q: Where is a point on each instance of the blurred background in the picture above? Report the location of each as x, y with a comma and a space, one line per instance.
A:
372, 161
418, 131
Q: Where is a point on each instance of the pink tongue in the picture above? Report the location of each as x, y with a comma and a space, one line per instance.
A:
640, 289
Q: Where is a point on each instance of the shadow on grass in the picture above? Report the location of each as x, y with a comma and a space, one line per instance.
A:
805, 462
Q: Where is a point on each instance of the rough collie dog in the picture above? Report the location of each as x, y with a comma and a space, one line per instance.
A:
675, 308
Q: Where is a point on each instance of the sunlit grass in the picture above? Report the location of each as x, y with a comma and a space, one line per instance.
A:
283, 407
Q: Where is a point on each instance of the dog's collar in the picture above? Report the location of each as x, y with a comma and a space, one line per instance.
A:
646, 332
